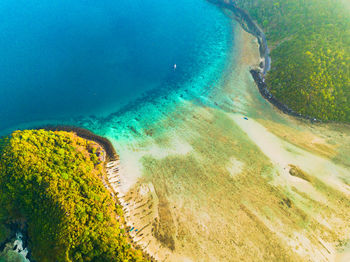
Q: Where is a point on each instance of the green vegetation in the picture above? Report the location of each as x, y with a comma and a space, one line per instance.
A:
51, 181
310, 42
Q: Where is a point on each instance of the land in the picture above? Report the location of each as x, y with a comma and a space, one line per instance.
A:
310, 43
207, 184
53, 187
260, 71
238, 181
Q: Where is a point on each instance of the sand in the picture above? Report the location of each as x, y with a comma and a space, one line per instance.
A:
209, 185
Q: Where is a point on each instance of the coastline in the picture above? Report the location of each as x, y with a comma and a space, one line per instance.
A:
110, 162
15, 246
132, 207
110, 182
170, 194
249, 25
88, 135
184, 205
110, 179
259, 73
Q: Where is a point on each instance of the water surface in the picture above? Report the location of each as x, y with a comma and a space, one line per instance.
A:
62, 59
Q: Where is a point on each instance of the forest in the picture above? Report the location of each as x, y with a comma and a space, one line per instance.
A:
51, 182
310, 53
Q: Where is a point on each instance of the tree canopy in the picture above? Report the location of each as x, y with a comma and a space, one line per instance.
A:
52, 181
310, 42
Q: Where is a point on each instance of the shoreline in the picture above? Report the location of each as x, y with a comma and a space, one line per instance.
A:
17, 229
259, 73
111, 171
111, 177
110, 181
88, 135
128, 204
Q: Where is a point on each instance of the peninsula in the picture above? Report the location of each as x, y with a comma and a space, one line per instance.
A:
53, 186
310, 53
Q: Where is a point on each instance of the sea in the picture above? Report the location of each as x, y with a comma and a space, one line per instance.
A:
113, 67
85, 62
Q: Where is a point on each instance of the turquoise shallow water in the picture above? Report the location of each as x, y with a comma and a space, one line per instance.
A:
92, 63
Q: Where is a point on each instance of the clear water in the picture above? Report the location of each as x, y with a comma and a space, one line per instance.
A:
64, 61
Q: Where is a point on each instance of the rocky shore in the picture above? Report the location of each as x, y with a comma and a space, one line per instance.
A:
259, 73
14, 247
86, 134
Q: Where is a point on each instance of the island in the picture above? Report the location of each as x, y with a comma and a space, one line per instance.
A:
53, 186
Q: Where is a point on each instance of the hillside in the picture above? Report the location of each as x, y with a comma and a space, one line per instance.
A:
310, 52
51, 183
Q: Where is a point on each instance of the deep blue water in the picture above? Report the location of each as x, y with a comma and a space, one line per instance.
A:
64, 58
